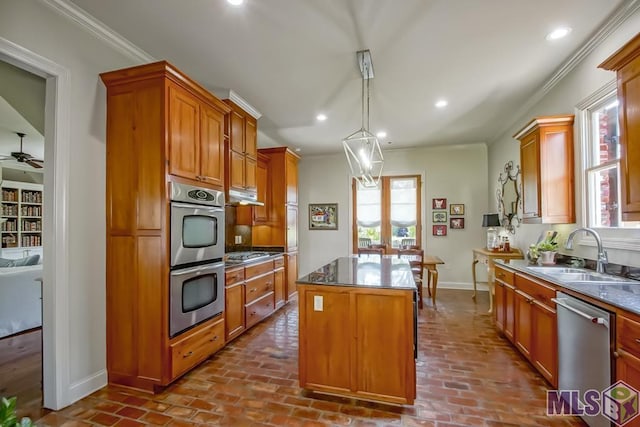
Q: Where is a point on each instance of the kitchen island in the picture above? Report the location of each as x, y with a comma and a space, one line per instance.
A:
357, 334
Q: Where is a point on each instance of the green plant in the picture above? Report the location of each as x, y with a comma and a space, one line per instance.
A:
8, 416
547, 245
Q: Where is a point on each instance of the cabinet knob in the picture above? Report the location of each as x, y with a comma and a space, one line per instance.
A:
214, 339
187, 354
616, 354
253, 290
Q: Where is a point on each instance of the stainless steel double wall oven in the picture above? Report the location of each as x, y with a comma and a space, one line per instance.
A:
197, 251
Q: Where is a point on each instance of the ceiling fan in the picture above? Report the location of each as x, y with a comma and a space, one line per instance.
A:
23, 157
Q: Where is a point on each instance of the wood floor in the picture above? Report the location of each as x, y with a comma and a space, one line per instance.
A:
21, 371
467, 376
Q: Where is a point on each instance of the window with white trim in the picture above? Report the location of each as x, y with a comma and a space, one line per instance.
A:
602, 166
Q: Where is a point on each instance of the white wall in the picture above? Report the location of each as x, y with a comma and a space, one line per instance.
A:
458, 173
37, 28
579, 84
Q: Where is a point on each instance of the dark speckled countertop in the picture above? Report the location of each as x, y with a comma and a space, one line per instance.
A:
387, 272
624, 295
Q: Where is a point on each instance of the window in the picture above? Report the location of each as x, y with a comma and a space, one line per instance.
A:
602, 165
388, 214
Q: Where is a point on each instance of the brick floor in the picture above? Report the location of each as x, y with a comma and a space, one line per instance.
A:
467, 376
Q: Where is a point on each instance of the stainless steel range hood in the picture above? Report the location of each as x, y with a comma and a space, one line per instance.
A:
243, 198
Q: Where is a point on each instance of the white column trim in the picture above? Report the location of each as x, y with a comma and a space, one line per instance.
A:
55, 297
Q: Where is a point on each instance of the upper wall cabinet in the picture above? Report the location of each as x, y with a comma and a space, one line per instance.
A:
196, 138
242, 154
546, 159
626, 62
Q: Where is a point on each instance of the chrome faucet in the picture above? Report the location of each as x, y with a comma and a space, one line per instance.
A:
602, 254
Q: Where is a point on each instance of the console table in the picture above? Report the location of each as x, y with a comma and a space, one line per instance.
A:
487, 257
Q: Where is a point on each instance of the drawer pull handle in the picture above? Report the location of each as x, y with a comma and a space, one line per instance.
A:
187, 354
253, 289
214, 339
638, 340
616, 354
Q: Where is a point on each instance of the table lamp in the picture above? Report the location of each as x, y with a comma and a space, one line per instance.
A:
492, 221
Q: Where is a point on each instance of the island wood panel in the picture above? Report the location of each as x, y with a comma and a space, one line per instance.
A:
384, 366
326, 343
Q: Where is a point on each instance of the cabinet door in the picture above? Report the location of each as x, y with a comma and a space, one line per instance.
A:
250, 166
212, 146
629, 93
237, 131
530, 159
376, 336
250, 137
261, 213
279, 284
234, 310
291, 260
291, 167
184, 133
545, 341
509, 312
325, 342
523, 325
499, 305
628, 368
292, 228
236, 173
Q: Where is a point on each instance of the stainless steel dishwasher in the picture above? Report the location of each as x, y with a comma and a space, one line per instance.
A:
584, 352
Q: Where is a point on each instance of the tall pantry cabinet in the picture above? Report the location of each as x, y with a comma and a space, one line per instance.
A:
161, 127
281, 225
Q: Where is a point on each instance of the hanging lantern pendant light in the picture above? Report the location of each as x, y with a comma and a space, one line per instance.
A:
362, 148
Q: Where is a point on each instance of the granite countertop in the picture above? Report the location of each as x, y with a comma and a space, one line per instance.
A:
624, 295
387, 272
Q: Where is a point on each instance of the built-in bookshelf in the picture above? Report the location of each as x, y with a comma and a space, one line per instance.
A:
21, 214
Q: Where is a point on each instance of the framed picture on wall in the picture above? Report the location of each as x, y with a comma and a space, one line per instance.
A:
439, 216
456, 209
323, 216
439, 204
439, 230
456, 223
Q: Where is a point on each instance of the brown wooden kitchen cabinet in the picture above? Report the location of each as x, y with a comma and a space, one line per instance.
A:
161, 127
627, 350
234, 302
505, 301
626, 63
196, 138
241, 156
546, 162
345, 345
279, 283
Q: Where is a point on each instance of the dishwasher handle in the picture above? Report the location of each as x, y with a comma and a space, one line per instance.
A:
598, 320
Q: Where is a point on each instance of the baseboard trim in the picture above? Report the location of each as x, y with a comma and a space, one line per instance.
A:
88, 385
482, 286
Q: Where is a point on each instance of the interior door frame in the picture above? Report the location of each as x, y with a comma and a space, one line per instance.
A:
55, 228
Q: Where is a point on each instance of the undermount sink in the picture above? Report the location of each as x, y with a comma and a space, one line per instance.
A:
580, 275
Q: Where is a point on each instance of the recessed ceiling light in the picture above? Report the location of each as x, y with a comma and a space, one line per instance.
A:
381, 134
235, 2
321, 117
558, 33
442, 103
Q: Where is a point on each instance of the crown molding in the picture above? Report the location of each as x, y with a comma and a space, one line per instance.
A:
239, 101
616, 19
99, 29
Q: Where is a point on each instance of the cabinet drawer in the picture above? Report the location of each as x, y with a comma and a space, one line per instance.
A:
536, 290
258, 287
278, 262
259, 309
628, 335
503, 275
196, 347
233, 275
258, 269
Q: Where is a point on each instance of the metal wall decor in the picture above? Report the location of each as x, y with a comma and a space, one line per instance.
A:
509, 197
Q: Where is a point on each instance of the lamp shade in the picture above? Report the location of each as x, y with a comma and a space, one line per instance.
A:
490, 220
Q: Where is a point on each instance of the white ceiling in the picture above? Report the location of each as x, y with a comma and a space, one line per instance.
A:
11, 121
292, 59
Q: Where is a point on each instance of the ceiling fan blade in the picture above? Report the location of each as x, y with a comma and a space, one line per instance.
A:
34, 163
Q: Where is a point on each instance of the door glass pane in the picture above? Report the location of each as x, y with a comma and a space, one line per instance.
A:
403, 209
369, 214
199, 231
604, 197
198, 292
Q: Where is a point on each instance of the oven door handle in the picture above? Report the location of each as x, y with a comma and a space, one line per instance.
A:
191, 206
198, 269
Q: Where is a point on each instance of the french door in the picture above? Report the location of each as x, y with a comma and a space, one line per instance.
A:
389, 214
